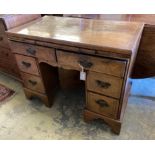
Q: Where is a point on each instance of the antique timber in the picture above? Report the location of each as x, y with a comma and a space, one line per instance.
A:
145, 60
106, 50
7, 60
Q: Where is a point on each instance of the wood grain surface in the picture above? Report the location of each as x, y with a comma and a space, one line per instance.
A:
119, 37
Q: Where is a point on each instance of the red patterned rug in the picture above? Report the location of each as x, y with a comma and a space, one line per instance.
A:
5, 93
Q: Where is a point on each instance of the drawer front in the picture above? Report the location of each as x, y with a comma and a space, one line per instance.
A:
102, 105
33, 82
104, 84
97, 64
34, 51
27, 64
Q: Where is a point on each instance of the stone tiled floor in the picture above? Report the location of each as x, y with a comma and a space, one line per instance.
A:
24, 119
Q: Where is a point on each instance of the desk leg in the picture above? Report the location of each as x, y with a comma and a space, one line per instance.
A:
30, 94
114, 124
50, 79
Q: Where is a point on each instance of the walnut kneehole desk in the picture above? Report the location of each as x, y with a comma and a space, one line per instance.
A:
105, 49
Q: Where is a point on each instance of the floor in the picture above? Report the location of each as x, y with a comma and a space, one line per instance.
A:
24, 119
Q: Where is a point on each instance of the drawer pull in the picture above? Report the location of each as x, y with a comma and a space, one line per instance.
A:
33, 82
85, 63
102, 103
31, 51
1, 38
103, 84
26, 64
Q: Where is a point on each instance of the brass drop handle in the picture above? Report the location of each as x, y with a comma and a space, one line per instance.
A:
103, 84
33, 82
85, 63
31, 51
102, 103
1, 38
26, 64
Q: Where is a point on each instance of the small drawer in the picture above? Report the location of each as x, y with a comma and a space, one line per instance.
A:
33, 82
34, 51
27, 64
92, 63
102, 105
104, 84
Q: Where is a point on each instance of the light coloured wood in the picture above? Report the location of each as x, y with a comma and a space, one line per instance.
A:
145, 61
33, 82
105, 49
118, 37
116, 17
102, 105
34, 51
104, 84
102, 65
27, 64
148, 19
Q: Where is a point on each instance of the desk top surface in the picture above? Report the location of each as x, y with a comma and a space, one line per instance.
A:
120, 37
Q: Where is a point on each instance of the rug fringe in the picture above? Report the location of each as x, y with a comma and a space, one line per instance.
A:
13, 93
8, 99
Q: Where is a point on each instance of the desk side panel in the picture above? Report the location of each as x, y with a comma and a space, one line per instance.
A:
145, 62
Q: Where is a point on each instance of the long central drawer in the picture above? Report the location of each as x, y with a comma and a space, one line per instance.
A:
92, 63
